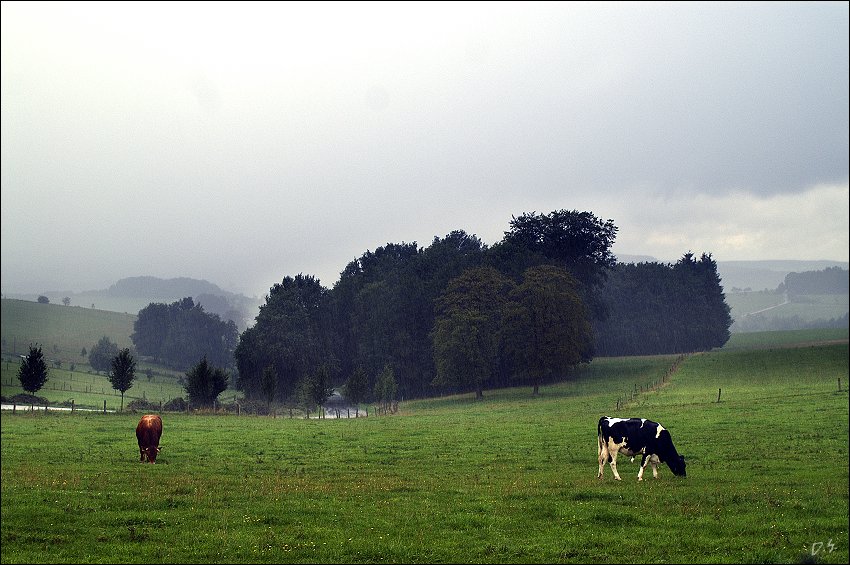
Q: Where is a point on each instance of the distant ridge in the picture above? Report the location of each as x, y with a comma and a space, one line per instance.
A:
132, 294
153, 287
766, 275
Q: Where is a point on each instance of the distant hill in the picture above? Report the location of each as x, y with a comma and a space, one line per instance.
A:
766, 275
155, 288
129, 295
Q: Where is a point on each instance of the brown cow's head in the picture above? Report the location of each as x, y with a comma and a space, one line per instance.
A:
151, 452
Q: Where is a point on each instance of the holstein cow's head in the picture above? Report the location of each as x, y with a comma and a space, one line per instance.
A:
677, 465
675, 461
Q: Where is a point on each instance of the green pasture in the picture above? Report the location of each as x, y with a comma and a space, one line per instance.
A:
508, 479
795, 338
90, 390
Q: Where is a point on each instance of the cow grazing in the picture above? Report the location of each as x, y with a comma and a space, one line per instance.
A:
633, 436
148, 433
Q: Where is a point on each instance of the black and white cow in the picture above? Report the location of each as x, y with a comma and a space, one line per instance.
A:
632, 436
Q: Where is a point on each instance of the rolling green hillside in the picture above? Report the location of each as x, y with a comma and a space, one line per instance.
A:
62, 331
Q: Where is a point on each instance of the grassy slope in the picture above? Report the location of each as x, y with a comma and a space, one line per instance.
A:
62, 332
508, 479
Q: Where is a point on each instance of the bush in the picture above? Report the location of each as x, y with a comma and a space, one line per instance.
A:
29, 399
142, 405
175, 405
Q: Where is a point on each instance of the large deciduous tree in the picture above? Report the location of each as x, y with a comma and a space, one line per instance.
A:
577, 241
33, 372
293, 333
547, 328
467, 330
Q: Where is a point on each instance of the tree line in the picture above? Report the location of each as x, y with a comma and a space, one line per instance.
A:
179, 334
461, 316
832, 280
404, 321
654, 308
203, 382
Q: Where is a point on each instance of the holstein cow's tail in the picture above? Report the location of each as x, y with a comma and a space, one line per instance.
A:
599, 437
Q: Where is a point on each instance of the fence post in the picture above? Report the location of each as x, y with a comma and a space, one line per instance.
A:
72, 405
104, 407
718, 395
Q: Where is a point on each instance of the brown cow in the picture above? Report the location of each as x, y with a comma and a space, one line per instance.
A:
148, 433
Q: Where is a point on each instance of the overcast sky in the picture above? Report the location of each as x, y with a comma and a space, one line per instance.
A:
244, 142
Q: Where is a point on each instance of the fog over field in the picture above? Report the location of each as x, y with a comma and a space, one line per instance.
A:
241, 142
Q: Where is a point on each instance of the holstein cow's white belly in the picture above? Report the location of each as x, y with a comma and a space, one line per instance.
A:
622, 447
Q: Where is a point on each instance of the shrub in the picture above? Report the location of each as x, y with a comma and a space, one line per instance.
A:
175, 405
142, 405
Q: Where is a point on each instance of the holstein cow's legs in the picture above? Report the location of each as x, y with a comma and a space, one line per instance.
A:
652, 460
606, 452
614, 465
643, 463
602, 451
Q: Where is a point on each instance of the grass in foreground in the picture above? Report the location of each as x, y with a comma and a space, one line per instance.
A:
510, 479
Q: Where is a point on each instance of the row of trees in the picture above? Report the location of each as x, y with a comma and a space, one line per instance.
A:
180, 333
203, 382
454, 316
459, 315
655, 308
488, 327
832, 280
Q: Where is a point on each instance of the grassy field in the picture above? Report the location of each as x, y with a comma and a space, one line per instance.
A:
788, 338
508, 479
